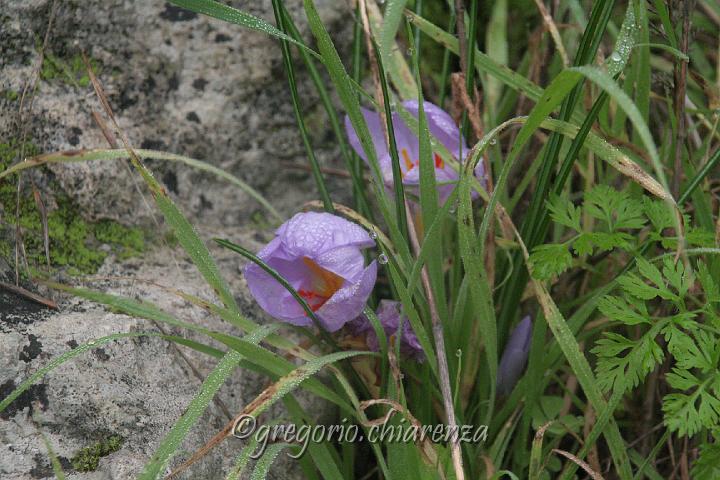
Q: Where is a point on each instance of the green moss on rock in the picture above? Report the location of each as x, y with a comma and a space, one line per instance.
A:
70, 70
73, 242
88, 458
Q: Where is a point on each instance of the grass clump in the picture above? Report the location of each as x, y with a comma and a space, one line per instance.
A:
88, 458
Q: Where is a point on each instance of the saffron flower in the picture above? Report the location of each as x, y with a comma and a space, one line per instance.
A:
389, 313
441, 126
514, 358
320, 255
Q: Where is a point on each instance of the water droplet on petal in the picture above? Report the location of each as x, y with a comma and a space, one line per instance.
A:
383, 259
615, 57
373, 234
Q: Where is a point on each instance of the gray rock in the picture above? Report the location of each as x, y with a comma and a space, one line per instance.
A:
136, 388
181, 83
177, 82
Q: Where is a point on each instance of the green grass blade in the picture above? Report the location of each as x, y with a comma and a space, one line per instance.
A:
243, 459
398, 187
589, 43
290, 72
229, 14
102, 154
212, 383
483, 62
352, 162
59, 360
265, 361
54, 460
348, 96
496, 42
262, 466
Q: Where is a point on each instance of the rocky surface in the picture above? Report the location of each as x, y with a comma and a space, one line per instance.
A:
135, 388
177, 82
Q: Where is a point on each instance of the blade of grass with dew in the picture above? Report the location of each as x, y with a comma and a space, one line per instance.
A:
390, 25
472, 255
242, 460
54, 460
600, 423
59, 360
472, 22
413, 317
615, 64
396, 66
290, 73
398, 187
351, 163
102, 154
586, 379
445, 72
269, 362
347, 93
186, 236
215, 9
428, 197
483, 63
496, 42
268, 397
320, 452
262, 466
210, 386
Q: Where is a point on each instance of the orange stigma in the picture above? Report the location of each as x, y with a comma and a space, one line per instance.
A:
323, 283
408, 164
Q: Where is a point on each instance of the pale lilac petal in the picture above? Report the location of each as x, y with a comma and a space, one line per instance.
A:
349, 301
514, 358
312, 234
271, 295
331, 243
377, 134
346, 262
441, 126
389, 313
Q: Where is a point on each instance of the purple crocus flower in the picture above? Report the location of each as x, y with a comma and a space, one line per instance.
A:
441, 126
514, 358
389, 313
319, 254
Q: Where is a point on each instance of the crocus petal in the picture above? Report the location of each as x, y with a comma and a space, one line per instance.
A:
514, 358
389, 313
319, 255
377, 134
441, 126
346, 262
349, 301
312, 234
